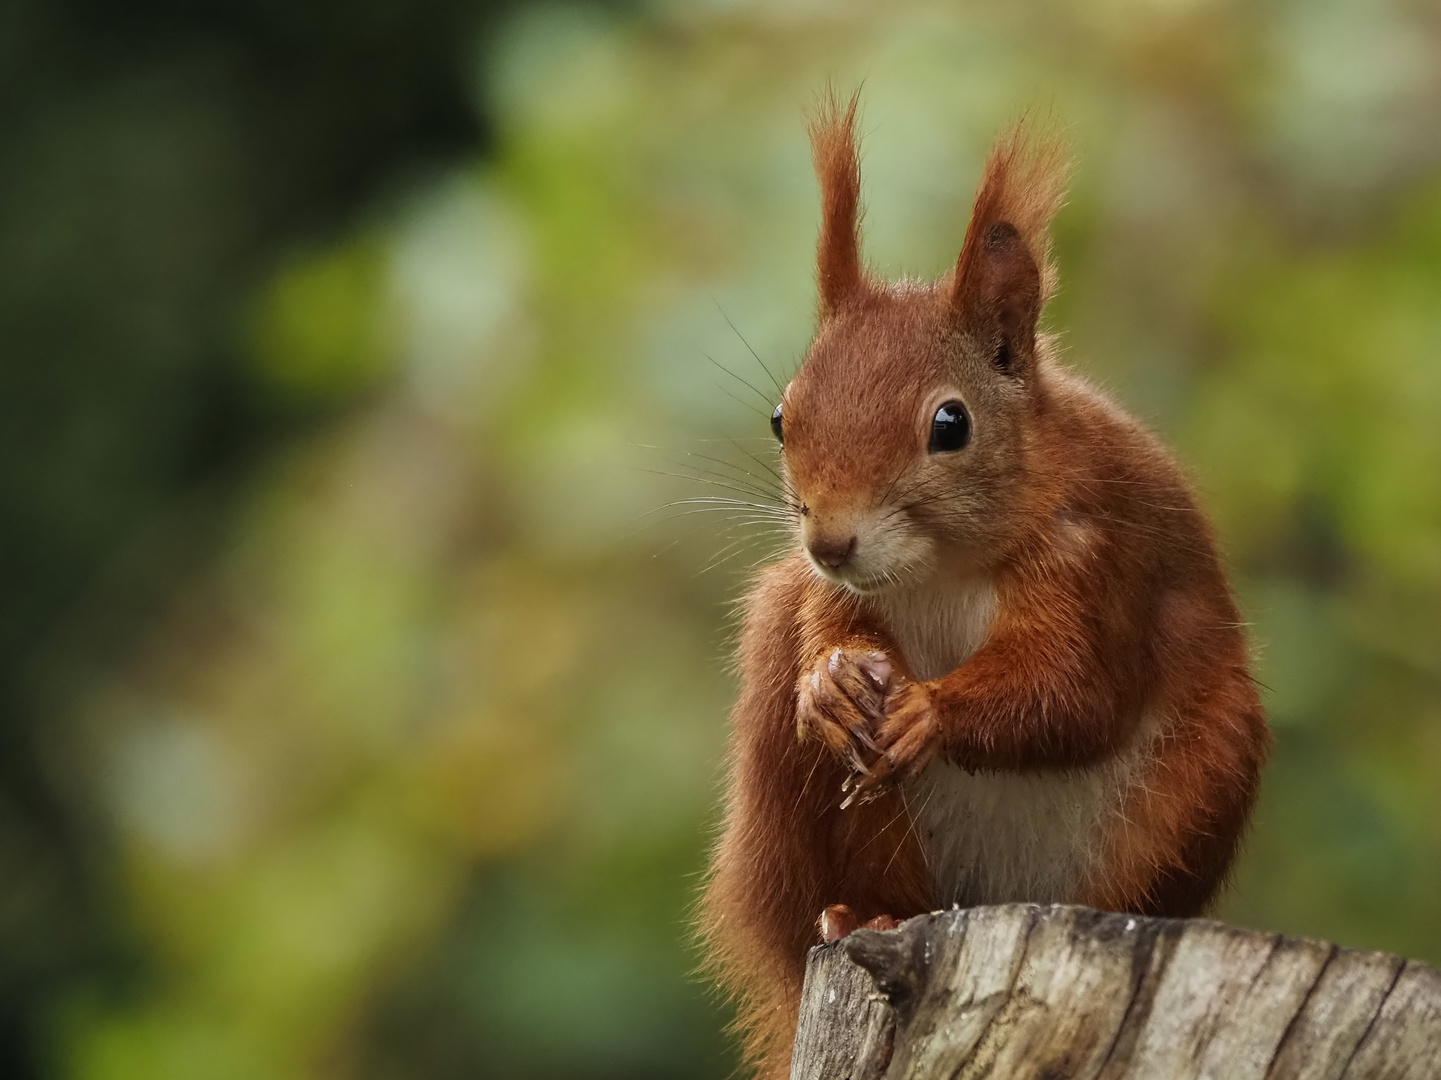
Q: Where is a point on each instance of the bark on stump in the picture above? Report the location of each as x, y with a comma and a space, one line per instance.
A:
1023, 992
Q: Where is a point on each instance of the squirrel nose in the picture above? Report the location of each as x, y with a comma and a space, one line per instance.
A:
832, 552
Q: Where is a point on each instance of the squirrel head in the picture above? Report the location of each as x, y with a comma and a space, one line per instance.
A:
906, 429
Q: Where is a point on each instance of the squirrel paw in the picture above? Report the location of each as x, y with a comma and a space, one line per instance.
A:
842, 702
839, 920
908, 737
836, 922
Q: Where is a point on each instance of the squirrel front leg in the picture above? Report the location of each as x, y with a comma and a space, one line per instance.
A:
1042, 691
842, 689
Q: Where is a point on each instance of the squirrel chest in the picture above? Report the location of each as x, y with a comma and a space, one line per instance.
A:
991, 836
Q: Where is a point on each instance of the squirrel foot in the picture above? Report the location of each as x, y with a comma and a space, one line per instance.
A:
838, 920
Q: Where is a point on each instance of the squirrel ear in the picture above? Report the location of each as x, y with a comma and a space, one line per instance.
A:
998, 293
840, 277
1004, 274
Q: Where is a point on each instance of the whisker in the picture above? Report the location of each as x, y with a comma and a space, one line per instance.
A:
722, 480
781, 480
744, 382
780, 477
742, 402
779, 389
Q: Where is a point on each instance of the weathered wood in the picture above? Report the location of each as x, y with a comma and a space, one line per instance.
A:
1023, 992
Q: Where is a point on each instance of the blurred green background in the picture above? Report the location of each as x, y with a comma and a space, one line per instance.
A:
362, 697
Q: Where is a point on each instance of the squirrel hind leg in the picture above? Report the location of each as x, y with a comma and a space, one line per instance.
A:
836, 922
839, 920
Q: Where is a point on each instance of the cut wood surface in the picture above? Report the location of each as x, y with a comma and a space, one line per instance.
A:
1065, 993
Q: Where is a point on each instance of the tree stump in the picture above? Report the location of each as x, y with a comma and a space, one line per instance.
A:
1023, 992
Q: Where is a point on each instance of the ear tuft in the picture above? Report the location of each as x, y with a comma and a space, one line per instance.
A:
1005, 274
840, 277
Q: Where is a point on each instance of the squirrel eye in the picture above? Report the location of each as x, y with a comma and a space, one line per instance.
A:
776, 426
951, 428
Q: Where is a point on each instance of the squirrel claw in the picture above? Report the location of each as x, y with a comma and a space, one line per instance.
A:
859, 790
867, 783
864, 738
857, 763
860, 798
876, 667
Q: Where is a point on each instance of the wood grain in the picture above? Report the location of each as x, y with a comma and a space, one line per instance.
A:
1023, 992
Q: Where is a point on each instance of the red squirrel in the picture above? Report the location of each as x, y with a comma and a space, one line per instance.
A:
1002, 661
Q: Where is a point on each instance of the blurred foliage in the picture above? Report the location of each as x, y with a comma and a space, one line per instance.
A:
161, 165
365, 692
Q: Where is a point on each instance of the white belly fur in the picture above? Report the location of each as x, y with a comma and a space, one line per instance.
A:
997, 836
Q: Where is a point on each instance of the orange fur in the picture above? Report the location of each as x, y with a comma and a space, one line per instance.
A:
1027, 656
840, 273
